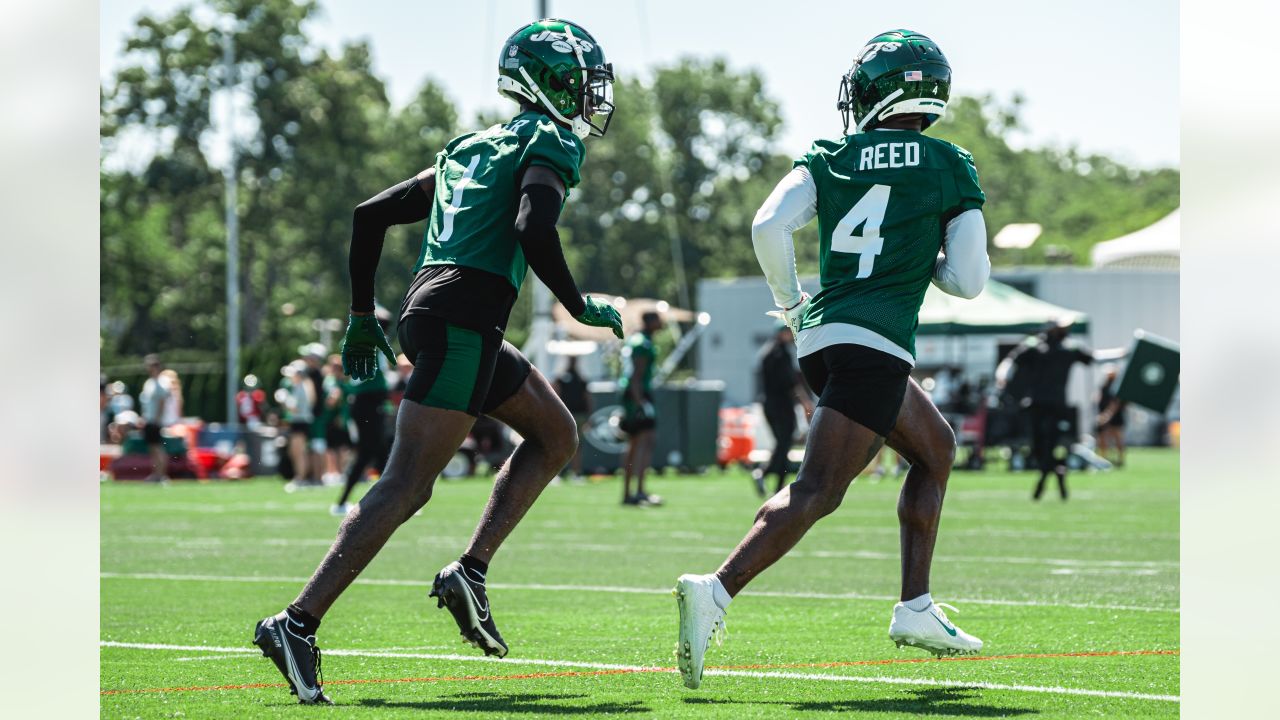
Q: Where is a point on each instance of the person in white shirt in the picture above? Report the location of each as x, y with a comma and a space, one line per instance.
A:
155, 396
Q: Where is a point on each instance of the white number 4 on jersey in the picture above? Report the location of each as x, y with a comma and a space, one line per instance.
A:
870, 210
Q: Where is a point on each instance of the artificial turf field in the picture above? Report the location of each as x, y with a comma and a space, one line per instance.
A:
1077, 603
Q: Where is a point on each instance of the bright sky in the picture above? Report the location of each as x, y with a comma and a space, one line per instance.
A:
1098, 74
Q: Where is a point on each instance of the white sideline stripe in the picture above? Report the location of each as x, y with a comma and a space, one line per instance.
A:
599, 547
758, 674
628, 590
1051, 689
386, 654
227, 656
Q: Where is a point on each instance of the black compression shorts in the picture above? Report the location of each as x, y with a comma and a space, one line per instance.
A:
151, 434
865, 385
456, 368
633, 420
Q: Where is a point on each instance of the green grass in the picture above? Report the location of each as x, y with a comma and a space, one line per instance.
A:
197, 564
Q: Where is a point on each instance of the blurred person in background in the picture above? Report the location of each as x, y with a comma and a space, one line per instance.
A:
121, 417
173, 407
313, 357
782, 388
571, 388
1111, 410
1046, 360
367, 403
297, 399
639, 417
335, 419
154, 399
104, 408
249, 402
886, 462
121, 400
943, 391
484, 442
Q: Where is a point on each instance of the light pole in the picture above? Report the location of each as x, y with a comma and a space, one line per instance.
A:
542, 327
233, 227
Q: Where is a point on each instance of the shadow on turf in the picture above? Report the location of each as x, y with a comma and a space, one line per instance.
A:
936, 701
497, 703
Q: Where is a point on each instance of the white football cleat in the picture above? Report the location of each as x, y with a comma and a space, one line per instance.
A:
700, 618
929, 629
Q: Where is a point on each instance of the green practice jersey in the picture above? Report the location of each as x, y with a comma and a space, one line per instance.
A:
477, 190
638, 346
884, 199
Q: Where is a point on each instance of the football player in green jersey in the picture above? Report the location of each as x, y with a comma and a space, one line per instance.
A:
493, 198
639, 417
896, 210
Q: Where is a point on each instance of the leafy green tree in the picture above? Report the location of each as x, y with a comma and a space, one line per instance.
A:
1079, 200
323, 138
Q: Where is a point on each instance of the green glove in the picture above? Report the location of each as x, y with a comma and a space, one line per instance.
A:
360, 347
601, 314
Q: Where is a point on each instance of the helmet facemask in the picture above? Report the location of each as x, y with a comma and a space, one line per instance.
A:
844, 101
593, 87
597, 98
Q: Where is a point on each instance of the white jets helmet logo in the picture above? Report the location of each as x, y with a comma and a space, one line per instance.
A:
562, 42
873, 49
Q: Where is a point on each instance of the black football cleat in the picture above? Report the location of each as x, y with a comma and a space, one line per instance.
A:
456, 589
295, 656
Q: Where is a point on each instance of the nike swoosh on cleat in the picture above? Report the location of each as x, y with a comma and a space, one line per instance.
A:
296, 676
482, 609
950, 630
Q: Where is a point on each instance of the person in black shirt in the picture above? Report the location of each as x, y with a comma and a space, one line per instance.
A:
1111, 417
782, 386
571, 387
1047, 364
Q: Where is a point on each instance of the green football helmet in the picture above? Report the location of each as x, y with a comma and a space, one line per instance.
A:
558, 67
898, 72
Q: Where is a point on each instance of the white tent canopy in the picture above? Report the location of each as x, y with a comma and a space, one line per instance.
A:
1156, 246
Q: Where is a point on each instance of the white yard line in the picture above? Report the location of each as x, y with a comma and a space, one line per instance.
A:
758, 674
229, 654
682, 550
629, 590
1052, 689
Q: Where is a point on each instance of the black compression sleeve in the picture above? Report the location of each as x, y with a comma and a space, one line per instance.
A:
536, 232
399, 205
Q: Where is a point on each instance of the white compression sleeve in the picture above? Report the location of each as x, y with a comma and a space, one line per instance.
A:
963, 266
791, 205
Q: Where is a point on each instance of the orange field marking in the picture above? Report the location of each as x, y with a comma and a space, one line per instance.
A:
628, 671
